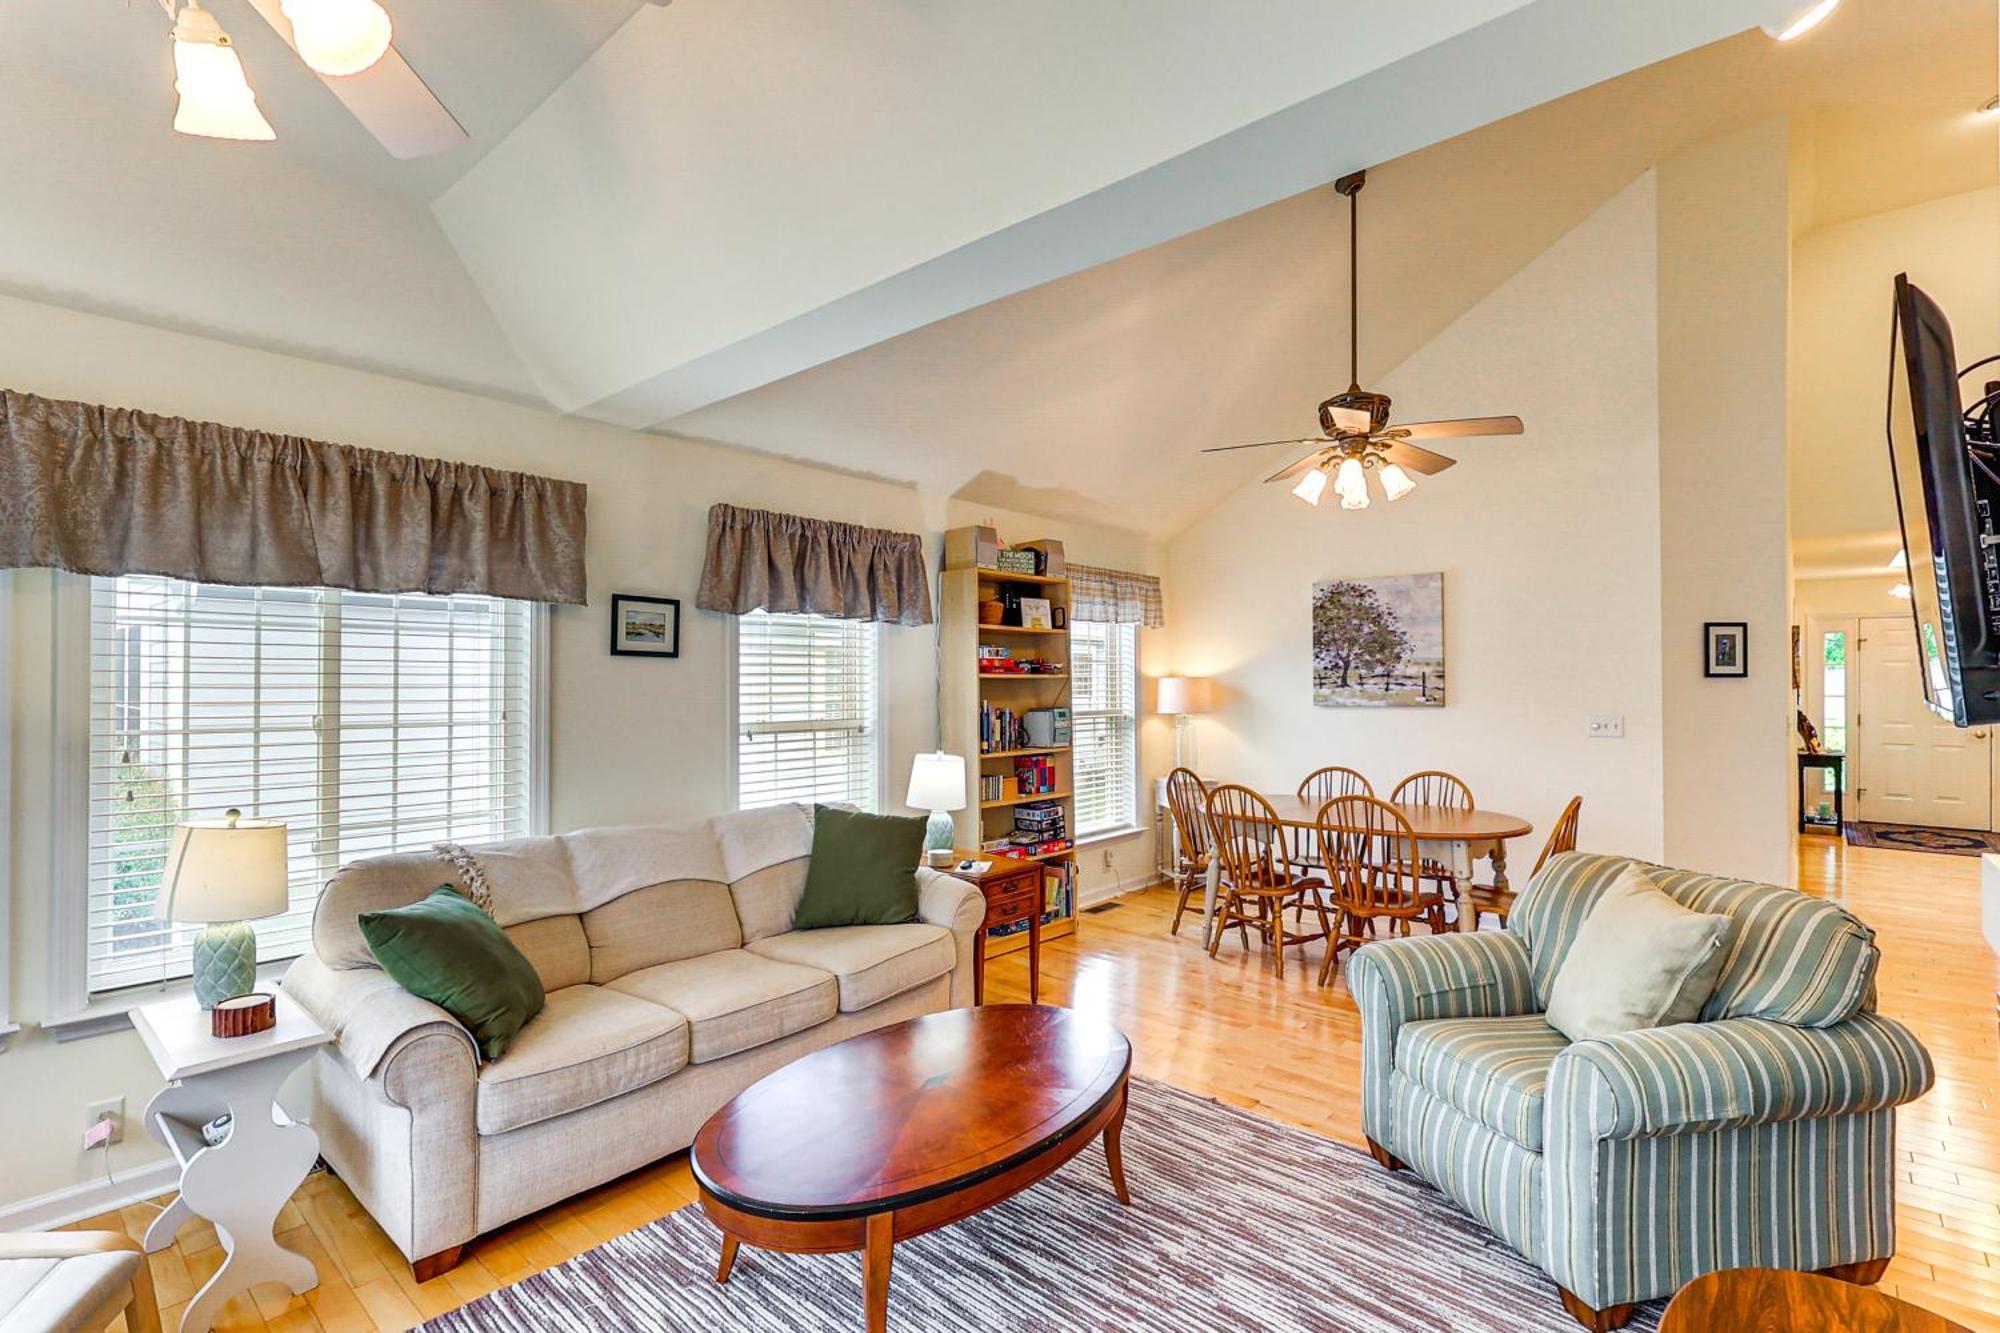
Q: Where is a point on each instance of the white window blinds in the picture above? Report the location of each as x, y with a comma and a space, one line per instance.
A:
368, 723
805, 710
1104, 663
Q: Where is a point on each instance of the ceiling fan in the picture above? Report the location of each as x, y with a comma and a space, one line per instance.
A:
1356, 436
345, 42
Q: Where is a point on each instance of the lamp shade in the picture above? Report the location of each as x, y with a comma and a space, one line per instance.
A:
1184, 695
937, 782
224, 870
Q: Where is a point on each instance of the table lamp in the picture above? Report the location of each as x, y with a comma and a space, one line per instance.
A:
1182, 697
937, 784
223, 874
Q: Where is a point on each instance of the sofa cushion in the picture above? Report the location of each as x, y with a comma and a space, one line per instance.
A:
872, 963
1640, 961
556, 948
587, 1045
765, 853
59, 1295
1494, 1071
735, 1000
863, 871
448, 951
1792, 958
661, 923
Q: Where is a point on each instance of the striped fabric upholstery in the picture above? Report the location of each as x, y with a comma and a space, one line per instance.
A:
1627, 1166
1792, 958
1423, 977
1495, 1070
1496, 1180
1743, 1071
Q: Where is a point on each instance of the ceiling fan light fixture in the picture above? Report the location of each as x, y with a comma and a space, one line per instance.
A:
1350, 483
1396, 483
216, 101
338, 37
1311, 486
1801, 23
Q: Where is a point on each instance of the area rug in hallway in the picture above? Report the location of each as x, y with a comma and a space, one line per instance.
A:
1237, 1224
1917, 838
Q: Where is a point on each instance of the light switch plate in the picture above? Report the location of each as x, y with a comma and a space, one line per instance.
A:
1607, 726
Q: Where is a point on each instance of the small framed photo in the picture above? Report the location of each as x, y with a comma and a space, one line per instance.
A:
645, 626
1725, 649
1036, 614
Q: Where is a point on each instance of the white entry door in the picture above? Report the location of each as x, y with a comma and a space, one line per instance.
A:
1910, 766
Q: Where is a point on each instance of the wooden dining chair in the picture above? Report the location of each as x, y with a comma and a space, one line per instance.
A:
1498, 903
1320, 786
1187, 800
1258, 879
1434, 786
1378, 873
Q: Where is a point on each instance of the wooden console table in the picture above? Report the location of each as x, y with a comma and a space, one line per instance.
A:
1013, 889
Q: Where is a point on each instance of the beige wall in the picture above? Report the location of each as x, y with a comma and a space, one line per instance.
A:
1549, 546
631, 739
1724, 237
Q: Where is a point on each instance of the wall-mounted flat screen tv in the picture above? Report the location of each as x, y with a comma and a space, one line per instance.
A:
1948, 495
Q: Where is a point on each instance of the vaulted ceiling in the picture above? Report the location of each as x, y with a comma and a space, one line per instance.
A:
1036, 254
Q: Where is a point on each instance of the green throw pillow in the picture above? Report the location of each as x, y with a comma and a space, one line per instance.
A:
446, 950
863, 871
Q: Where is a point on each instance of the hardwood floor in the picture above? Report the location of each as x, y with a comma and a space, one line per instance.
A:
1289, 1050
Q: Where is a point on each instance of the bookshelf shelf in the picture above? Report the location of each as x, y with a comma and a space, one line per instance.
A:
1007, 802
992, 708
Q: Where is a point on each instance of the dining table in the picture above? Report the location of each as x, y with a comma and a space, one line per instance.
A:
1449, 835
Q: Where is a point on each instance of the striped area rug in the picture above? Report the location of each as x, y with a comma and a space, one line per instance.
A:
1237, 1224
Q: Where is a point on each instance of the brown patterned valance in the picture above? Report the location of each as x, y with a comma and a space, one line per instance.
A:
764, 561
105, 490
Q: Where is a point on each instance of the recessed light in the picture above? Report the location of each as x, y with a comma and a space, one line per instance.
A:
1804, 23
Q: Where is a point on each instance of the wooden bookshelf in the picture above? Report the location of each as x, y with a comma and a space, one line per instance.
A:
966, 690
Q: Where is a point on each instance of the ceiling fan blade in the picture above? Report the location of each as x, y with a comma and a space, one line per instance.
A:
1295, 469
1415, 458
1266, 444
1459, 429
389, 98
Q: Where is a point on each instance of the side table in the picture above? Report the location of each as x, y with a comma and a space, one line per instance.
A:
1835, 764
241, 1183
1013, 889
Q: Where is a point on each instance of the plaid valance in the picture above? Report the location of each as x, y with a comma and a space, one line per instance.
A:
1115, 597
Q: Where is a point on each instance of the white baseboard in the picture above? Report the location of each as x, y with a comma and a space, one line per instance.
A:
73, 1203
1095, 892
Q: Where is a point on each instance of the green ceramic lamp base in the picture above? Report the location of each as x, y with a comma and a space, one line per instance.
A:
225, 963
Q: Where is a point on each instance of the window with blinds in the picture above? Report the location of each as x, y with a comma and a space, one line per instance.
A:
805, 710
367, 723
1104, 697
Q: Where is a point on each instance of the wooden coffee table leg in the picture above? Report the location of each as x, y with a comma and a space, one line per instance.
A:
728, 1258
1114, 1153
875, 1270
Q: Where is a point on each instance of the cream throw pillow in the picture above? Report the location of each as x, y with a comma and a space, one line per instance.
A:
1640, 960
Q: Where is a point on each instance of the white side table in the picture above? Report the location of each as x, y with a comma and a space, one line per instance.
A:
242, 1182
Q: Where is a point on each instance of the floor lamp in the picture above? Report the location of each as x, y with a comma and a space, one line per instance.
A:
1183, 698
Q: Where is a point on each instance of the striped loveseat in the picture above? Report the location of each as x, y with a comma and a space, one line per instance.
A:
1762, 1135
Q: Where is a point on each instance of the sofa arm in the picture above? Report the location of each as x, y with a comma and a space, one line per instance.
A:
1393, 982
1693, 1077
374, 1021
948, 901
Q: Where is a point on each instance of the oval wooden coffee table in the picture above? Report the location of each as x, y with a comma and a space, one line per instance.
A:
1771, 1301
908, 1128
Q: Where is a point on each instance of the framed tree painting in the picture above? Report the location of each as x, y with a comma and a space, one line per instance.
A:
645, 626
1379, 643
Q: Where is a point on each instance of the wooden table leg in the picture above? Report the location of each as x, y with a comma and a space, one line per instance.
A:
875, 1270
979, 965
1114, 1153
728, 1258
1500, 864
1035, 955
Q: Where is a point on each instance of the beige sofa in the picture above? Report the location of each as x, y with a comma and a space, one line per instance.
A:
674, 981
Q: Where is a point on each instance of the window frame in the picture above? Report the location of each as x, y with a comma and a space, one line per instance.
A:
733, 720
1130, 823
73, 1011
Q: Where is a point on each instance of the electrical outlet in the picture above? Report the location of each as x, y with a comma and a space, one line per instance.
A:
1107, 860
1607, 726
112, 1111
